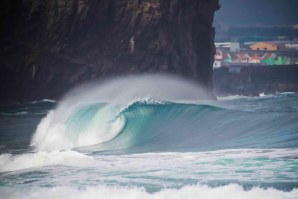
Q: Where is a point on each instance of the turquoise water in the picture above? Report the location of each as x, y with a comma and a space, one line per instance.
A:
236, 147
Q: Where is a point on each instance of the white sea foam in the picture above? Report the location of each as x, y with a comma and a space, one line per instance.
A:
130, 173
231, 97
147, 101
232, 191
51, 135
9, 162
44, 100
288, 93
212, 165
236, 97
15, 114
261, 95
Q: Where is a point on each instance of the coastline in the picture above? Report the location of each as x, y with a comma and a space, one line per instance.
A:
254, 80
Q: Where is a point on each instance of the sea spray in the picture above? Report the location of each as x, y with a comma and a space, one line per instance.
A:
90, 114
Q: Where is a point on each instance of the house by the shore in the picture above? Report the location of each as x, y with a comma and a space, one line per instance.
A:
264, 46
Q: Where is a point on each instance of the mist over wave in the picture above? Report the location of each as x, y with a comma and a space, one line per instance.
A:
92, 113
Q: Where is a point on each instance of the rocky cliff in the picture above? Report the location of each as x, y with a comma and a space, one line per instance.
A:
251, 81
49, 46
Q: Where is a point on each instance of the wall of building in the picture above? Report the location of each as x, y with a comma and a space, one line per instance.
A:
264, 46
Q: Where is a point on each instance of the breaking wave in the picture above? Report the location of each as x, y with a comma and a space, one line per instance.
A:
98, 112
154, 113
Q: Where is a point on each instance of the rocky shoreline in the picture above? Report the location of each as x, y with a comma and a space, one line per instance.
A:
252, 81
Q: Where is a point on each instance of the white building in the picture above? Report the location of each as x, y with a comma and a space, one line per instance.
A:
217, 64
232, 46
235, 47
293, 46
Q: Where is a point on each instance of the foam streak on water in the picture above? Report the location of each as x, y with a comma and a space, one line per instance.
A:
114, 192
246, 165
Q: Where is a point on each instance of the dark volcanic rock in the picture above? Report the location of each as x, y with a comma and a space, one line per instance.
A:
251, 81
49, 46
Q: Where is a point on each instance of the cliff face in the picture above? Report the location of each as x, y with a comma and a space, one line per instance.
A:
49, 46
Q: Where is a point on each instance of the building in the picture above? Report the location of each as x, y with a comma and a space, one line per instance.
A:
218, 55
282, 60
255, 59
292, 46
217, 64
227, 58
242, 57
235, 47
231, 46
223, 45
273, 59
268, 58
294, 61
265, 46
224, 57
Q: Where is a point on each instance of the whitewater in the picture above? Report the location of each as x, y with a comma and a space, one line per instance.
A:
150, 136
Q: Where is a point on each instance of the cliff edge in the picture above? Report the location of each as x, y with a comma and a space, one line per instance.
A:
50, 46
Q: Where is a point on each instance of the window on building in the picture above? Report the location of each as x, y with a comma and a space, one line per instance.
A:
258, 48
265, 48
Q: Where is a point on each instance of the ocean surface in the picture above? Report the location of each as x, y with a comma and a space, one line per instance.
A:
235, 147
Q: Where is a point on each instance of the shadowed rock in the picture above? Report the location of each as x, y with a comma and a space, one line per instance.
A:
50, 46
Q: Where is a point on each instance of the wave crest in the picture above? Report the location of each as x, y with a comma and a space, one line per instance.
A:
91, 114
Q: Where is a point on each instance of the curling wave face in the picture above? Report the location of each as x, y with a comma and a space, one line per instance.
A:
95, 113
148, 125
87, 125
